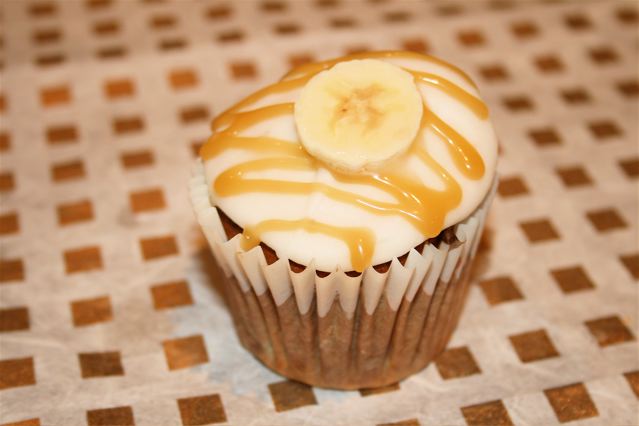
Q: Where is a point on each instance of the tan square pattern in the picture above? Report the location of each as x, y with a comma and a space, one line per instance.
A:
628, 88
230, 36
14, 319
243, 70
137, 159
83, 259
120, 416
16, 372
539, 230
574, 176
299, 59
75, 212
494, 73
183, 78
62, 134
512, 186
91, 311
518, 103
218, 12
544, 137
273, 6
572, 279
46, 36
631, 262
575, 96
11, 270
9, 224
605, 220
604, 129
609, 330
185, 352
289, 395
415, 45
633, 381
549, 64
48, 60
119, 88
195, 148
127, 125
492, 413
533, 346
630, 166
68, 171
603, 54
106, 27
41, 9
100, 364
194, 113
54, 96
524, 29
202, 410
147, 200
456, 362
157, 247
162, 21
571, 402
171, 295
471, 38
577, 21
111, 52
7, 181
5, 141
499, 290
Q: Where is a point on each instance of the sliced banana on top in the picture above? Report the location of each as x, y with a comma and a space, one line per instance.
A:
359, 114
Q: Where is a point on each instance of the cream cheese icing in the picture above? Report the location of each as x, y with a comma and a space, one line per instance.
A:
304, 222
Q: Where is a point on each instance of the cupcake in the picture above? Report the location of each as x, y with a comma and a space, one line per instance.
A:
344, 205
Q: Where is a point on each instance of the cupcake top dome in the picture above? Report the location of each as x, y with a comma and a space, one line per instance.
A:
348, 163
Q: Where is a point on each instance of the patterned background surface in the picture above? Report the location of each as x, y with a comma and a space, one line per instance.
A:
108, 314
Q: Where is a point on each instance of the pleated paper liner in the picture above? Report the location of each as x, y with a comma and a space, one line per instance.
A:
335, 330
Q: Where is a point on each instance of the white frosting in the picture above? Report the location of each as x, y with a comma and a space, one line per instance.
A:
394, 235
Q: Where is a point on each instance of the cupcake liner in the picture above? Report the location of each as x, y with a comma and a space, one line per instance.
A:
336, 330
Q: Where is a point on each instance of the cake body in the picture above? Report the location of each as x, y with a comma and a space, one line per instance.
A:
343, 270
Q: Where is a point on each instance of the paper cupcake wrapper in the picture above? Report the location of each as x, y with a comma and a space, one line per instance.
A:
336, 330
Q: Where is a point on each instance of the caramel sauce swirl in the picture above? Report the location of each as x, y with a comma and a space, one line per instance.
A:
424, 207
466, 157
358, 239
470, 101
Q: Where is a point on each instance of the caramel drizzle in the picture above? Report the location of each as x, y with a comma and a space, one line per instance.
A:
412, 199
358, 239
470, 101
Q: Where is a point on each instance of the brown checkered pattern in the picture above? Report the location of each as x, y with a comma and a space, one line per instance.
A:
108, 313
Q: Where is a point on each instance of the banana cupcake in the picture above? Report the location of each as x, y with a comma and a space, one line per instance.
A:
344, 205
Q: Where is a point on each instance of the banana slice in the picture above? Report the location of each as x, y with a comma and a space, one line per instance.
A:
359, 114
